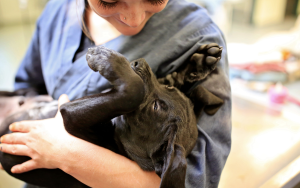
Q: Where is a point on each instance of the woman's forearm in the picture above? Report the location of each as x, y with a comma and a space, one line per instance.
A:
100, 167
50, 146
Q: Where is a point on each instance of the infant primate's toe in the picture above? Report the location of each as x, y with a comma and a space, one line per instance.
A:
205, 47
212, 45
213, 54
210, 60
214, 51
198, 58
203, 62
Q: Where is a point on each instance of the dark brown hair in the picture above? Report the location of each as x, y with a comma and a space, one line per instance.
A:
82, 17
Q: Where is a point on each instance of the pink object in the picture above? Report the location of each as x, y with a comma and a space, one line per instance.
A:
293, 100
279, 94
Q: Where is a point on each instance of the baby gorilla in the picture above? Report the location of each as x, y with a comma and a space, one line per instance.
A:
140, 117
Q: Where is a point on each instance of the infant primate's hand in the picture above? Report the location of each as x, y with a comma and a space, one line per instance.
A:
201, 63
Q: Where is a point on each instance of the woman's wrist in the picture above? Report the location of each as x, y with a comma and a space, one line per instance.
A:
99, 167
68, 153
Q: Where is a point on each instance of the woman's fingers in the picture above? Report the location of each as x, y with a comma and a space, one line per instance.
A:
1, 168
23, 126
62, 100
15, 149
14, 138
24, 167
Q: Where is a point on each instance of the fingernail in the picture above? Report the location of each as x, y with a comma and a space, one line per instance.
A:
11, 126
13, 169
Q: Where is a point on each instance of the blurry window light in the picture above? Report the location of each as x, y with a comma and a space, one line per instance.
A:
268, 145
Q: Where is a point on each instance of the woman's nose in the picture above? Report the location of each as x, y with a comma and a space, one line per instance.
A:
133, 16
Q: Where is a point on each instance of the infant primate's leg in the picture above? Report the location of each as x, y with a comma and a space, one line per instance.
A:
126, 94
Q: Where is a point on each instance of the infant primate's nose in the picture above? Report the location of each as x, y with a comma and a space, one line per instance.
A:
137, 64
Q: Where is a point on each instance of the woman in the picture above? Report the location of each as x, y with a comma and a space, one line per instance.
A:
163, 32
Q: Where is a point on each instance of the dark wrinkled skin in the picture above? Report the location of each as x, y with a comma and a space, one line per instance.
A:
152, 123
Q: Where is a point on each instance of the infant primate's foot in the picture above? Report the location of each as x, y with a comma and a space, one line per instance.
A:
110, 64
203, 62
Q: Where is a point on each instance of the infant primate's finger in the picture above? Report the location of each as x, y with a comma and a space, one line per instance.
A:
174, 75
198, 58
202, 47
207, 46
170, 80
210, 60
214, 51
212, 45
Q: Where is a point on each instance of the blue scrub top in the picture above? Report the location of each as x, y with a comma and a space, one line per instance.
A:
168, 39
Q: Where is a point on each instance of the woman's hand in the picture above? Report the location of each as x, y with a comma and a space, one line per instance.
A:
40, 139
50, 146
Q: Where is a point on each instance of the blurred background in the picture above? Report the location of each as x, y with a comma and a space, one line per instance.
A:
263, 42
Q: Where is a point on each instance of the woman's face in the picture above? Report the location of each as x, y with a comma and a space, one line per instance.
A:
127, 16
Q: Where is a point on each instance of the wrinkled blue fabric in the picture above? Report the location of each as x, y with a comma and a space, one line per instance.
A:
167, 40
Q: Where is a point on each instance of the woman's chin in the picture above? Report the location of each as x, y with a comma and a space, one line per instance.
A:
131, 32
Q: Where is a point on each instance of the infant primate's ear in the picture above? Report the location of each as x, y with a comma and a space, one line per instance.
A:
170, 161
201, 63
